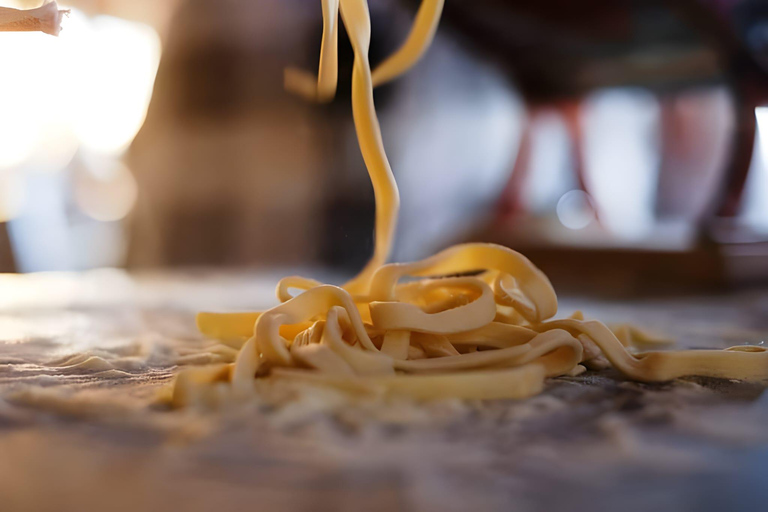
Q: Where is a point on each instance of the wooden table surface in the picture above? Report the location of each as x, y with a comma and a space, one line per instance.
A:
83, 358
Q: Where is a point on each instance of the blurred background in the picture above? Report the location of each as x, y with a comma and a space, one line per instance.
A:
621, 144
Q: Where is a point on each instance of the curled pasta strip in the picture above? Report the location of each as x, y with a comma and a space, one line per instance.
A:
310, 336
235, 328
515, 383
434, 345
202, 386
634, 338
268, 346
507, 294
568, 354
364, 363
434, 298
662, 366
531, 282
321, 358
396, 344
421, 36
399, 316
223, 326
287, 284
494, 335
323, 87
508, 315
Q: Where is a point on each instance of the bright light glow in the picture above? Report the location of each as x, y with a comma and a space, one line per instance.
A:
106, 192
755, 211
12, 195
31, 69
574, 210
114, 73
622, 159
91, 85
762, 125
551, 168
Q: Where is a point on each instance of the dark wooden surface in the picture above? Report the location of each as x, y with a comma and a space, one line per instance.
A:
79, 437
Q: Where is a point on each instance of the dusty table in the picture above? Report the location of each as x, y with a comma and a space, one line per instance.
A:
83, 357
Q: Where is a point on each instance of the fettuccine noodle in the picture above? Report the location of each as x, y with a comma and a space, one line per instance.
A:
474, 321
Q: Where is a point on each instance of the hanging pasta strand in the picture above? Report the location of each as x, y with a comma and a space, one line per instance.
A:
322, 88
418, 41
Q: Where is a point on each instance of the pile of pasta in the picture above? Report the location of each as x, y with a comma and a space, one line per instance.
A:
474, 321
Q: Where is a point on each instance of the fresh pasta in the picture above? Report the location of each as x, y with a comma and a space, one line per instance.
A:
474, 321
46, 19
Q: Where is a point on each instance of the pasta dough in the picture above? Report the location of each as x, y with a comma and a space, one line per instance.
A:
474, 321
46, 18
